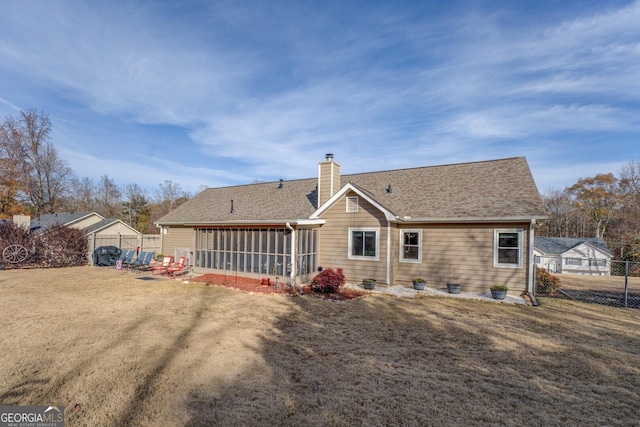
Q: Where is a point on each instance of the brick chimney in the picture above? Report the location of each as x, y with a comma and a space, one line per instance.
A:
328, 179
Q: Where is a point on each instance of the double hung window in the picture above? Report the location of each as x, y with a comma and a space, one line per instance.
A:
364, 243
410, 245
507, 250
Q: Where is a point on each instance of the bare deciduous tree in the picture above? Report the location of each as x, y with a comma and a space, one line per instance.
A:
598, 198
135, 208
82, 198
43, 177
170, 195
108, 198
559, 207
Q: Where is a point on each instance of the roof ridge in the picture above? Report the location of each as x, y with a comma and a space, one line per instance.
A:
373, 172
436, 166
261, 183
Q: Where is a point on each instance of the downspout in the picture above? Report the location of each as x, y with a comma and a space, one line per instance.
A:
161, 238
292, 276
531, 263
388, 253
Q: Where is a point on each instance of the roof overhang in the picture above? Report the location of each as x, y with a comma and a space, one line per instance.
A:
109, 224
82, 218
283, 222
589, 244
466, 220
390, 216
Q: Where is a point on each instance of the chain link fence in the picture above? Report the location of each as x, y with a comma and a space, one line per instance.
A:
619, 289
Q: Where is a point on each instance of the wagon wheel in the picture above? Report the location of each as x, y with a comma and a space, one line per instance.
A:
15, 254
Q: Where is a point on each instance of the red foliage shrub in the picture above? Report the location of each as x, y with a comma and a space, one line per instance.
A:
62, 246
58, 246
328, 281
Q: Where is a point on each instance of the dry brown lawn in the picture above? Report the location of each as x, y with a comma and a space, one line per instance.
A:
115, 350
603, 283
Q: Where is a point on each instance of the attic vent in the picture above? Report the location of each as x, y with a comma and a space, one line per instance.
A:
231, 206
352, 204
389, 190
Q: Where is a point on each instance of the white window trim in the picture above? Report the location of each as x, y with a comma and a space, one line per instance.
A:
355, 203
364, 258
496, 234
414, 261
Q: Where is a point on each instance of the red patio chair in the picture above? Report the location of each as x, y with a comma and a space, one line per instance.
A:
178, 268
161, 267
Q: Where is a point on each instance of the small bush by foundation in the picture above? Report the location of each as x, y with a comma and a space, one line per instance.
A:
328, 281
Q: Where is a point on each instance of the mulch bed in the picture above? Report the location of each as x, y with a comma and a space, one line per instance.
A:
247, 284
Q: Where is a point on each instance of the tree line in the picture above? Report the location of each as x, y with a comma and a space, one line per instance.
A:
605, 206
34, 180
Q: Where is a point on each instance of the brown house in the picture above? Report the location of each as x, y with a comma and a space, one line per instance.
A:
469, 223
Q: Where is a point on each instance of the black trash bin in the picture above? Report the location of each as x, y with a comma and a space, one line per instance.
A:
106, 255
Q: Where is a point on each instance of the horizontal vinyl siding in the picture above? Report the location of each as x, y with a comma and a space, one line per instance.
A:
467, 250
334, 241
118, 228
86, 222
325, 183
178, 237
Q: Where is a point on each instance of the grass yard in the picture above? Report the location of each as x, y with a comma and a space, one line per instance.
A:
604, 283
116, 350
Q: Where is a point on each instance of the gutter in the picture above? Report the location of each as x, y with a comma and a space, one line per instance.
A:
459, 220
246, 222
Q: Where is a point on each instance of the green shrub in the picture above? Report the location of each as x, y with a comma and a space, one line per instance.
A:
499, 288
546, 283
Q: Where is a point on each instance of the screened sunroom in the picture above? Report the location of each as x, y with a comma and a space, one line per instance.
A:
260, 251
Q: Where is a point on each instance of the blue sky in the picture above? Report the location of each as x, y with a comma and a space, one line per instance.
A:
216, 93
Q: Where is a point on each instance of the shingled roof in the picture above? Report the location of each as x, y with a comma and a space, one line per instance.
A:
496, 189
62, 218
560, 245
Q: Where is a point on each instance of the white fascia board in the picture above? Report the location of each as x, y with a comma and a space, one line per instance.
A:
114, 222
344, 190
309, 222
303, 221
408, 220
82, 218
597, 249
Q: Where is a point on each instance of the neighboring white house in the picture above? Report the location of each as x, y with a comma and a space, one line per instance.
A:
589, 256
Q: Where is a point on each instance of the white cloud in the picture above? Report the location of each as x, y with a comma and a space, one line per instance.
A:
263, 90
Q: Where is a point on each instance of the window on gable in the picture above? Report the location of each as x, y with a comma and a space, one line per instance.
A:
352, 204
411, 245
507, 248
363, 243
